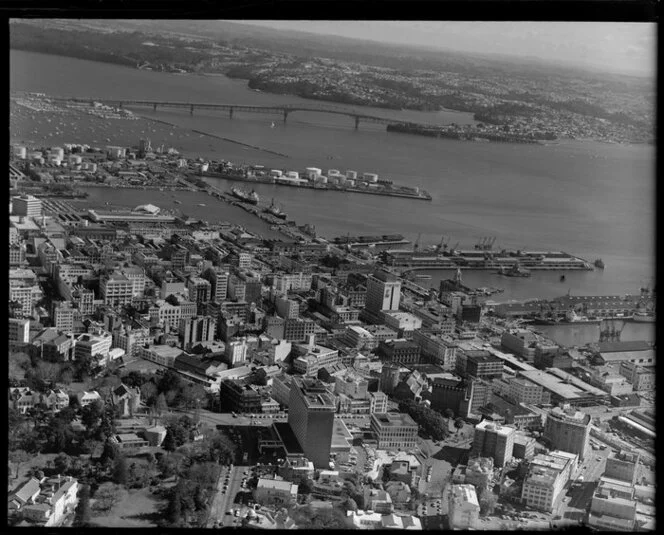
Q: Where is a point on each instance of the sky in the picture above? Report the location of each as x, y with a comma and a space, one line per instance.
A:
614, 47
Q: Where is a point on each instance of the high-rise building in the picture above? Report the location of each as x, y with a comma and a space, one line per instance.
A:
19, 330
197, 329
63, 316
383, 292
199, 290
493, 440
623, 466
27, 205
218, 280
568, 430
547, 476
311, 417
377, 402
389, 378
116, 289
236, 352
287, 308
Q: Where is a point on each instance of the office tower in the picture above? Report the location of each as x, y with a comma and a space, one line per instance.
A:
493, 440
568, 430
311, 411
383, 292
389, 378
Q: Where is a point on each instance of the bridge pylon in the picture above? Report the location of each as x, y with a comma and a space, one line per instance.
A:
154, 107
285, 115
230, 112
191, 109
357, 122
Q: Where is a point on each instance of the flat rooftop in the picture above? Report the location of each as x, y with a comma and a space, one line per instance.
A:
392, 419
560, 387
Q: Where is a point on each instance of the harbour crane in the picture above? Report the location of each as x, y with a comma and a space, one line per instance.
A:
441, 245
454, 249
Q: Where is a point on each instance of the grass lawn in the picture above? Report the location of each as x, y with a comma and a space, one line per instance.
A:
140, 509
38, 461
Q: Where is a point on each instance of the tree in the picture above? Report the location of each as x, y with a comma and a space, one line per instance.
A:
449, 413
459, 423
148, 392
17, 458
349, 504
169, 441
121, 470
91, 414
83, 513
160, 404
306, 487
62, 463
108, 495
487, 501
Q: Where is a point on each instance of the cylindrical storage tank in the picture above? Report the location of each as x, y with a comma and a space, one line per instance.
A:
204, 167
333, 172
275, 173
350, 183
312, 175
341, 179
370, 177
34, 155
19, 151
293, 174
75, 159
333, 180
323, 179
59, 151
315, 170
351, 174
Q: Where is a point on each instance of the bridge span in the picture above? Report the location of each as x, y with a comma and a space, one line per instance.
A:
284, 111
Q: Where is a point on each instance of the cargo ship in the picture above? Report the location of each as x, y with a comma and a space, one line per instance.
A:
276, 211
249, 197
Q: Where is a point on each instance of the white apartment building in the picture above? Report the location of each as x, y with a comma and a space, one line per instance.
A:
316, 358
383, 292
93, 345
463, 507
377, 402
116, 289
236, 352
286, 282
547, 476
163, 355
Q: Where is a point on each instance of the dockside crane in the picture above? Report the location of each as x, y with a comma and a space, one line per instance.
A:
416, 245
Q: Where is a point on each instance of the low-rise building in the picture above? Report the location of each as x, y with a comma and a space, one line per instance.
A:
46, 503
275, 492
547, 476
394, 431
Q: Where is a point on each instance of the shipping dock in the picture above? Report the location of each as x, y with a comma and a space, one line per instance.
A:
481, 260
384, 188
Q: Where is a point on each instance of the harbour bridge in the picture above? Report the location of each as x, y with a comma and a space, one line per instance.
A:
232, 109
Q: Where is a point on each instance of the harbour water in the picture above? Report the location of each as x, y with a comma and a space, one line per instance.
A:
590, 199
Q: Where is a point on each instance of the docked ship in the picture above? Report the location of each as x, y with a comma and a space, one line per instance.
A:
249, 197
276, 211
644, 316
571, 317
515, 271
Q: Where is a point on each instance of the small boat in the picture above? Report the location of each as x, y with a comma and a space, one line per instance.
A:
276, 211
273, 125
562, 278
599, 263
201, 204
